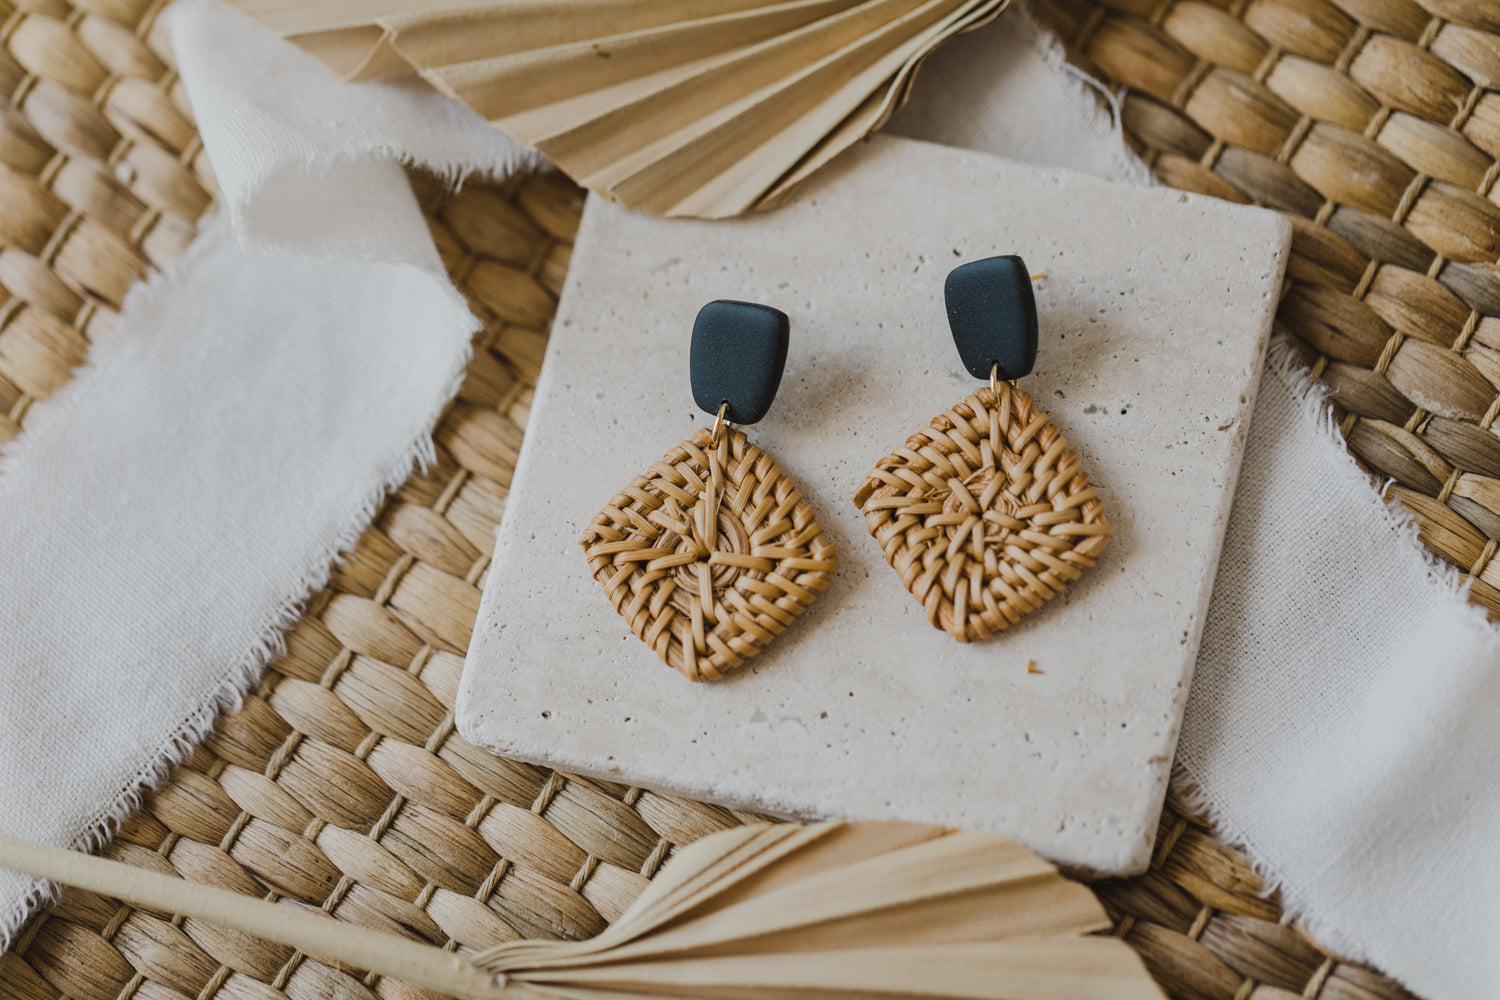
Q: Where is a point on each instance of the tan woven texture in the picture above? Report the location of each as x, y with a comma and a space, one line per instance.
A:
341, 784
985, 513
1375, 126
711, 554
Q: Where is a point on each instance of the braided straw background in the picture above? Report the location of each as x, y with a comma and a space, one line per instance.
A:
708, 591
980, 551
341, 783
1374, 125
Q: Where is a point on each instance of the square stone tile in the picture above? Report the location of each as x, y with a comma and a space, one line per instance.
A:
1058, 732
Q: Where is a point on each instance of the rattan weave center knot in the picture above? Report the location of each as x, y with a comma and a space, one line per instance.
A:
976, 508
696, 549
710, 555
985, 513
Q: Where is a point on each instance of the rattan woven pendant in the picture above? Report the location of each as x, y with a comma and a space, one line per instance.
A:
703, 108
985, 513
713, 552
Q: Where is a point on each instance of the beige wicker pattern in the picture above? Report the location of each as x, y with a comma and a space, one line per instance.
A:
1375, 126
101, 177
985, 513
341, 784
710, 555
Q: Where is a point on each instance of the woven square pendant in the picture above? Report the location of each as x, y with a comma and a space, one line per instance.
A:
985, 513
710, 554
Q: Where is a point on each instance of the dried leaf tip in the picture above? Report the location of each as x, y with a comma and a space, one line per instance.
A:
844, 910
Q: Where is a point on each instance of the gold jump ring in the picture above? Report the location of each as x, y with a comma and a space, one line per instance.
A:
995, 381
713, 436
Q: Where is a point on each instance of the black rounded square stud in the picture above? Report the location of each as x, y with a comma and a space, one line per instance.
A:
738, 354
992, 312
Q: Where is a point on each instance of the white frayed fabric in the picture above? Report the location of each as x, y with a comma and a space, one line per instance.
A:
167, 512
1344, 723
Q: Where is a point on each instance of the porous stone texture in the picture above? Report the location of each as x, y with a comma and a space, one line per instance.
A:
1059, 732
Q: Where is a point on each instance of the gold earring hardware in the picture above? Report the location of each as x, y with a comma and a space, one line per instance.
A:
713, 435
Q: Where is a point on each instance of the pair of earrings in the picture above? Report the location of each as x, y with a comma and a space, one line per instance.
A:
984, 513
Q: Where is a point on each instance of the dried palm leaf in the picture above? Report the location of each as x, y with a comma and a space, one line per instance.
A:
833, 911
705, 108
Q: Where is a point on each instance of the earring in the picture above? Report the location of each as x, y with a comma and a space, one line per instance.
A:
985, 513
713, 552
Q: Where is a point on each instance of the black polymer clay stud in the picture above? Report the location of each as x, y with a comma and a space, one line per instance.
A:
992, 312
737, 357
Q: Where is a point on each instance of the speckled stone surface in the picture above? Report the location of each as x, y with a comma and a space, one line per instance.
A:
1154, 318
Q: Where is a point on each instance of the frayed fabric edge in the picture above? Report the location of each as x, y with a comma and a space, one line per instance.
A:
1096, 103
470, 147
228, 694
1314, 399
101, 828
450, 174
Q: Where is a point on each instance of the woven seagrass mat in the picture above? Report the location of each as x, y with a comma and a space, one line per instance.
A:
342, 784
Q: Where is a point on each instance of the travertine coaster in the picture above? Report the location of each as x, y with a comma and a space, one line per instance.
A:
1058, 732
